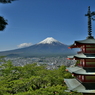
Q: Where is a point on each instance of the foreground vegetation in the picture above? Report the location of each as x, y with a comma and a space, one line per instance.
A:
32, 80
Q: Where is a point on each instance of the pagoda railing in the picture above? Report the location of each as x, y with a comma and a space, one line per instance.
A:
85, 78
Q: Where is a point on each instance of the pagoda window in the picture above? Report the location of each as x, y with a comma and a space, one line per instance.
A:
90, 48
81, 62
80, 77
90, 45
90, 62
83, 78
89, 78
84, 63
82, 48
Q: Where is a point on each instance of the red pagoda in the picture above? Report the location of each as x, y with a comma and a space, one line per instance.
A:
84, 69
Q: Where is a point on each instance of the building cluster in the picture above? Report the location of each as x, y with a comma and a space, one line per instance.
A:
50, 62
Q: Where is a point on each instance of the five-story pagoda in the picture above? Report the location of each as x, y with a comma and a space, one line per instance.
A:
84, 71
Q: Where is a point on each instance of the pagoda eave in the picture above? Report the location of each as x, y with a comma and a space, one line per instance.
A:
86, 41
75, 85
82, 56
78, 44
79, 71
75, 46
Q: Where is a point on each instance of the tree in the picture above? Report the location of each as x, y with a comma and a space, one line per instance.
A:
31, 79
6, 1
3, 22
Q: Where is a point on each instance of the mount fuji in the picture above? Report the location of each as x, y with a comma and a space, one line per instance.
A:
47, 47
49, 40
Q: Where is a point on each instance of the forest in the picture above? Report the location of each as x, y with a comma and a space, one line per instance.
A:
31, 79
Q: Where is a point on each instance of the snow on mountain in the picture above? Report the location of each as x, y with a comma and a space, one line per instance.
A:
49, 40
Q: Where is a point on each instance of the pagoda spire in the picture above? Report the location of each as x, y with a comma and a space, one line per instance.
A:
90, 14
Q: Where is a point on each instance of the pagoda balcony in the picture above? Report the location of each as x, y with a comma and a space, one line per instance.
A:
85, 78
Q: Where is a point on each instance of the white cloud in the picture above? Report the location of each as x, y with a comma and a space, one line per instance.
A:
24, 45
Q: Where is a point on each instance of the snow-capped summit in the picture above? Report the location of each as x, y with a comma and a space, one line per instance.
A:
48, 40
47, 47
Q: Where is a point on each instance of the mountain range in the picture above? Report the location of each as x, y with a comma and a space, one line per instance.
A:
47, 47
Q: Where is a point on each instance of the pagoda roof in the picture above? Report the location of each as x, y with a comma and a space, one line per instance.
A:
75, 85
77, 44
82, 56
86, 41
79, 70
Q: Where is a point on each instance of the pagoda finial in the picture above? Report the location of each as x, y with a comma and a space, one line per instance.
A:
90, 14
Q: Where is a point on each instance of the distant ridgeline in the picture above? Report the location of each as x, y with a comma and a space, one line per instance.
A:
47, 47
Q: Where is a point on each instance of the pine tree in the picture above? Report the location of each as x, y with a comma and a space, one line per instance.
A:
6, 1
3, 22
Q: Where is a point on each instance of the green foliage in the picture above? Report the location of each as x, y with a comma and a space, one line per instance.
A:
6, 1
77, 63
32, 80
3, 23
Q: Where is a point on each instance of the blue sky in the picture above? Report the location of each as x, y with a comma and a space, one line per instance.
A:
31, 21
